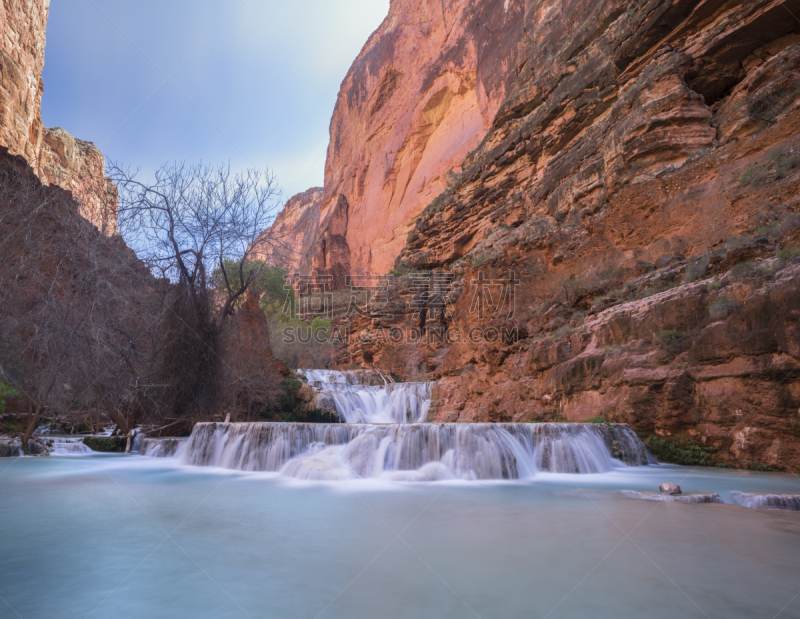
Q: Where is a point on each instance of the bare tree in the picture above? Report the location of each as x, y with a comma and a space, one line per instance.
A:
189, 222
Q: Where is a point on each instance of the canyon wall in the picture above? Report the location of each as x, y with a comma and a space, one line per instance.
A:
636, 197
24, 23
421, 94
56, 156
295, 229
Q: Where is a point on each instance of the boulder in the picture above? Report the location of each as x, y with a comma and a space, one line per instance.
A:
10, 449
670, 488
36, 448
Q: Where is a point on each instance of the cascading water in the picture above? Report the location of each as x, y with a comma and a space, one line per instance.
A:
358, 403
66, 446
160, 447
408, 452
384, 436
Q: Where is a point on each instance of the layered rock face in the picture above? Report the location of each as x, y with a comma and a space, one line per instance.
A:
614, 95
421, 94
56, 156
295, 229
634, 189
79, 167
24, 23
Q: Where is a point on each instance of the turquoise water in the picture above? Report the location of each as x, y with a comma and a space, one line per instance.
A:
133, 537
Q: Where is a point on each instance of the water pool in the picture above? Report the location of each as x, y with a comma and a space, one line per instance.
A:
134, 537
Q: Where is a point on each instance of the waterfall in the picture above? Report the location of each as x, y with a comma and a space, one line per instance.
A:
408, 452
359, 403
66, 446
789, 502
160, 447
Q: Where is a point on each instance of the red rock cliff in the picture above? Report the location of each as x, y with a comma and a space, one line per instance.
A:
641, 178
56, 156
23, 24
421, 94
295, 229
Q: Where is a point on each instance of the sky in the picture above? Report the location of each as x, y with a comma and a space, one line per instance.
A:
250, 82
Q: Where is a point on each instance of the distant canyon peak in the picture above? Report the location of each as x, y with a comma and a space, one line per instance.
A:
419, 97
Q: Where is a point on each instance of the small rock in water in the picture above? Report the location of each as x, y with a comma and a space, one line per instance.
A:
670, 489
35, 448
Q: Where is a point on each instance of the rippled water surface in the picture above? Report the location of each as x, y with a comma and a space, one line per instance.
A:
125, 536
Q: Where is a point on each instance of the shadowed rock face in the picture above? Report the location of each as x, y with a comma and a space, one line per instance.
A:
421, 94
639, 178
56, 156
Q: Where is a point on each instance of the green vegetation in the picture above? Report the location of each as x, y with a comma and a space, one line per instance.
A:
768, 268
6, 393
672, 340
106, 444
696, 269
722, 308
320, 324
715, 285
742, 270
277, 300
755, 175
288, 407
564, 331
757, 466
788, 253
784, 160
736, 241
647, 292
686, 454
82, 428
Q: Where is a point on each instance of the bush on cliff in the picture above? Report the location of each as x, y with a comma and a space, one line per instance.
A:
722, 308
672, 340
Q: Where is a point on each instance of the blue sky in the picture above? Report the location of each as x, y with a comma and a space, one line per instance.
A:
253, 82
